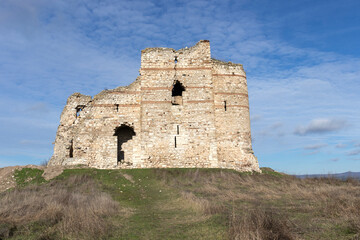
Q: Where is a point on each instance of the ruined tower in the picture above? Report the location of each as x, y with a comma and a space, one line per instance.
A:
184, 110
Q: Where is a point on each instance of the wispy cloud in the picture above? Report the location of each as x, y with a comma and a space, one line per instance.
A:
33, 142
39, 107
312, 152
255, 118
315, 146
354, 152
320, 126
276, 125
50, 49
340, 145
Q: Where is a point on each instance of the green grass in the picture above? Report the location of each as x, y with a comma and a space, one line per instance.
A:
27, 176
155, 213
269, 171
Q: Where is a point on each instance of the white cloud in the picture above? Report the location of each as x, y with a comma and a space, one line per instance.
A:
320, 126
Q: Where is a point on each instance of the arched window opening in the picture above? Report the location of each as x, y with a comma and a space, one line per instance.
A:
79, 109
124, 133
176, 93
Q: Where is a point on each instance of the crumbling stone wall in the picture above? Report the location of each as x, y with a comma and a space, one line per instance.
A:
185, 109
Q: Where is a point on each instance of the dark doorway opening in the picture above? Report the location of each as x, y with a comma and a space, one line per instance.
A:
124, 133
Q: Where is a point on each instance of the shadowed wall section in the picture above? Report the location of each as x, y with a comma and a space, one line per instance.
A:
124, 133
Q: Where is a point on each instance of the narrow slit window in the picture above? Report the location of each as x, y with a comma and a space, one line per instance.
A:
117, 107
225, 105
71, 150
175, 142
178, 130
78, 110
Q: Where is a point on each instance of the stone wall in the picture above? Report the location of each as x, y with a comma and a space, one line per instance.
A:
185, 110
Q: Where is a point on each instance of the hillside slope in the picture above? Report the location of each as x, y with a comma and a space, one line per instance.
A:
178, 204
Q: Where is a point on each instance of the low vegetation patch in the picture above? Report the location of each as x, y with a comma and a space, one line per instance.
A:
259, 224
74, 208
26, 176
179, 204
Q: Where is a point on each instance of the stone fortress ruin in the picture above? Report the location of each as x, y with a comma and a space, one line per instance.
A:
184, 110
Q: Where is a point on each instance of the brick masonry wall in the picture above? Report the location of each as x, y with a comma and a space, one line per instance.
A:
208, 127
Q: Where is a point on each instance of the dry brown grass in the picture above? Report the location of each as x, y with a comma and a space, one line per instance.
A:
73, 208
206, 203
201, 205
259, 225
266, 206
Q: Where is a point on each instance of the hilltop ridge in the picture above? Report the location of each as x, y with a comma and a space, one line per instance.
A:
177, 204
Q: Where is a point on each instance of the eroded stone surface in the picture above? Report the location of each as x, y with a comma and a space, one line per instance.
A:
203, 122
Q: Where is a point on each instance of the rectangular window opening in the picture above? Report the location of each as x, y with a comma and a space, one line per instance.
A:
225, 105
175, 142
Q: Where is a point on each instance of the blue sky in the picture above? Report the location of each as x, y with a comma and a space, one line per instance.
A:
302, 60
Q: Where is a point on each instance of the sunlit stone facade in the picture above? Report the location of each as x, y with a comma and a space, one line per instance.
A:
185, 110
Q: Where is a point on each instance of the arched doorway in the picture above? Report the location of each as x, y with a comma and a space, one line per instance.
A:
124, 133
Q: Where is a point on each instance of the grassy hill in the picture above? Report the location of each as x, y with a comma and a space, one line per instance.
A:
178, 204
